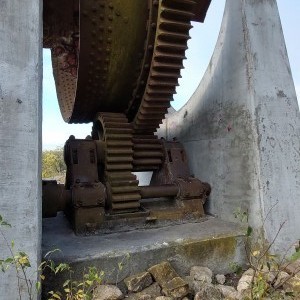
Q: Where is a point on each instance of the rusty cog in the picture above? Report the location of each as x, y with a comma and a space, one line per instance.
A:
122, 185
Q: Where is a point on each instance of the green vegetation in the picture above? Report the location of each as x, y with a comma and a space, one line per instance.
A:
53, 163
19, 261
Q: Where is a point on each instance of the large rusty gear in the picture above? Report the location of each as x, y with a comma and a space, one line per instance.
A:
172, 34
116, 133
99, 68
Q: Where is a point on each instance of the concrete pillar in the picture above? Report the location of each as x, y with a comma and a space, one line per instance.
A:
241, 126
20, 134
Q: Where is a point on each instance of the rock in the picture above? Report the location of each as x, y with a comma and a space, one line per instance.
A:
208, 292
249, 272
163, 272
292, 267
172, 285
244, 295
107, 292
153, 291
293, 284
220, 278
176, 288
269, 274
281, 277
138, 282
189, 281
202, 274
228, 292
145, 297
196, 287
245, 281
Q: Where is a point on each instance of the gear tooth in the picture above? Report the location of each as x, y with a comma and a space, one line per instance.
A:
121, 184
172, 34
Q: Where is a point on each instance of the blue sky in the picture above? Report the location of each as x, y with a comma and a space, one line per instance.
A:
201, 46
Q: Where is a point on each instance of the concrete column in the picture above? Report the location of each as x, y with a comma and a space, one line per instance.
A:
20, 134
241, 126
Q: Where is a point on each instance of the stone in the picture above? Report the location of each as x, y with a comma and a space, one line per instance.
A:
196, 286
208, 292
201, 274
138, 282
172, 284
145, 297
244, 294
176, 288
163, 272
220, 278
107, 292
293, 284
292, 267
153, 291
228, 292
189, 281
281, 277
245, 281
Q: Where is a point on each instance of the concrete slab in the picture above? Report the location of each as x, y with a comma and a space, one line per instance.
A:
211, 242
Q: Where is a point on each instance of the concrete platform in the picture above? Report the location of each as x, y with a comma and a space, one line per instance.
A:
211, 242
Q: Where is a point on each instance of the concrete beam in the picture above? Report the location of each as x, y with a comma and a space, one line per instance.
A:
20, 134
241, 127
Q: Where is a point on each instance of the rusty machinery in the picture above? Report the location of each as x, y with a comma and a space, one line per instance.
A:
116, 64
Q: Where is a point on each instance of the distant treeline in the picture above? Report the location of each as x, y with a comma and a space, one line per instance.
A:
53, 163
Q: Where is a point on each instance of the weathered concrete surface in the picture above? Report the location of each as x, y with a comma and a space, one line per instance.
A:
212, 243
20, 133
241, 126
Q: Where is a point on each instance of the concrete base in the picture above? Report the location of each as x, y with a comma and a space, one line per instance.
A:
211, 242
